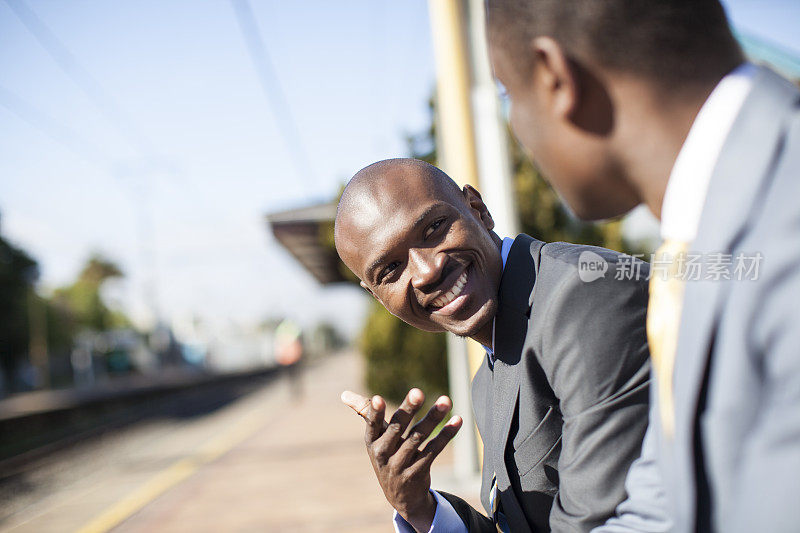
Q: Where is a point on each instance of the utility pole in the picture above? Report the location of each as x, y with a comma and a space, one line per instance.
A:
472, 149
491, 132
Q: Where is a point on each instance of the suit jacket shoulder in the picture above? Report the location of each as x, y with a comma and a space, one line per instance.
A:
588, 326
564, 409
734, 370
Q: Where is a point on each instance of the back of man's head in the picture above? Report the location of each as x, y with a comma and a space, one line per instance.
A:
664, 41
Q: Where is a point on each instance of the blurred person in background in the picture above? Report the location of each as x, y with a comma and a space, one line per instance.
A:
561, 398
289, 353
622, 103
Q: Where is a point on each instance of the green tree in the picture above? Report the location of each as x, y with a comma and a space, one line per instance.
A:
56, 320
83, 300
18, 273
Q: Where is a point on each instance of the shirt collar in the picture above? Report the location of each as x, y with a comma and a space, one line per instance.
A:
505, 248
688, 182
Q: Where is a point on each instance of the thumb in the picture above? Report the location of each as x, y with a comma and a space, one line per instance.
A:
355, 401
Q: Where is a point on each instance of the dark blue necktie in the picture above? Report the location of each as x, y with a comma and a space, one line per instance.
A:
497, 515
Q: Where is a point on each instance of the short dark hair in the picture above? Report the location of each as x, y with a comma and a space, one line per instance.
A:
663, 40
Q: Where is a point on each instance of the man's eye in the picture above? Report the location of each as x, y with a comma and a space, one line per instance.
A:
391, 267
433, 227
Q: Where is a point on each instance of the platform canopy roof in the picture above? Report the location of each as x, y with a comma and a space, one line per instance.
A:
305, 233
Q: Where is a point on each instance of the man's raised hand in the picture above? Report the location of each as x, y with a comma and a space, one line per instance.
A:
402, 464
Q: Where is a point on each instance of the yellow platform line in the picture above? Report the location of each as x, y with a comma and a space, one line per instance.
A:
171, 476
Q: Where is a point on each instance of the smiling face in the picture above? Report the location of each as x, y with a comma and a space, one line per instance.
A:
421, 246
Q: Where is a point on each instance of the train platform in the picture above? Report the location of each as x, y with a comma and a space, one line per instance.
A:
287, 457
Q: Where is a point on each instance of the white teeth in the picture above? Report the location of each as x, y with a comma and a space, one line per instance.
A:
458, 286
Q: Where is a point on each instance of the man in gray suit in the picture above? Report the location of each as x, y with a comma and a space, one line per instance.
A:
624, 102
561, 399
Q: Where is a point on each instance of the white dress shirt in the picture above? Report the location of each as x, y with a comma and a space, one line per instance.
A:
446, 520
691, 174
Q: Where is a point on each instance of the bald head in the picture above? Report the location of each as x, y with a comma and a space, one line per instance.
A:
396, 173
375, 191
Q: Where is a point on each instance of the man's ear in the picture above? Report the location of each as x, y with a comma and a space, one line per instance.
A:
475, 203
555, 77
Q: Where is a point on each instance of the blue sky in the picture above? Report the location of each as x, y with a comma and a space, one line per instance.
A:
356, 77
198, 152
774, 20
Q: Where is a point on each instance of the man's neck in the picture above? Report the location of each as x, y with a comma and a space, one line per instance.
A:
484, 335
651, 129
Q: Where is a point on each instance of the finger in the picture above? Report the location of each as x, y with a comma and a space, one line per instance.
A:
422, 430
400, 420
372, 411
358, 403
376, 421
435, 446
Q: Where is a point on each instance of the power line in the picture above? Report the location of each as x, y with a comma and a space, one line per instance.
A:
272, 87
107, 106
51, 128
70, 65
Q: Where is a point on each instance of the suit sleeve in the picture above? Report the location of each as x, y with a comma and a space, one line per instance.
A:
594, 351
765, 494
644, 511
474, 521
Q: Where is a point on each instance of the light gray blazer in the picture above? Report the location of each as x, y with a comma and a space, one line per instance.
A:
563, 410
733, 464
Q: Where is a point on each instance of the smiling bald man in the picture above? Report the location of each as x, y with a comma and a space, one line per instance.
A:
561, 401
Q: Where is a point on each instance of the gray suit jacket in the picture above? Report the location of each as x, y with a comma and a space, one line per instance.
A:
733, 463
563, 410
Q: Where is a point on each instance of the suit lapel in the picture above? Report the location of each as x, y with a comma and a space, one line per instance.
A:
511, 326
740, 180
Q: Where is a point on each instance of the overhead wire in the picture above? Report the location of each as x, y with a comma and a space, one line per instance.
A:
272, 88
111, 111
56, 131
75, 71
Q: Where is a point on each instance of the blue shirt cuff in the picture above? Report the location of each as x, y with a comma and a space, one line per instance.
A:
446, 519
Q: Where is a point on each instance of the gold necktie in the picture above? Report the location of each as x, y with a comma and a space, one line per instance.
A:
663, 321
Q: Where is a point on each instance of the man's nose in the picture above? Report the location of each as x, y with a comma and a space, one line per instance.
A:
427, 265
